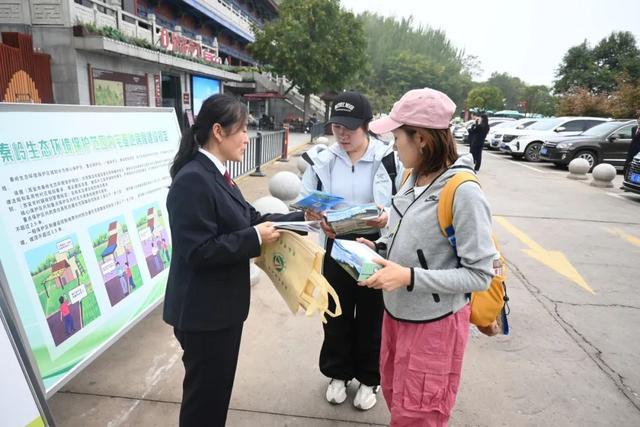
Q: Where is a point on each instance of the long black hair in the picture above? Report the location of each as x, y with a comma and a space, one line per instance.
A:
484, 120
223, 109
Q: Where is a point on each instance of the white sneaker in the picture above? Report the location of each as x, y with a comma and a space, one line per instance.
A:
366, 397
337, 391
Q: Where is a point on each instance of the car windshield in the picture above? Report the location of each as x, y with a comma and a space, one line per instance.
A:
524, 123
602, 129
546, 124
503, 125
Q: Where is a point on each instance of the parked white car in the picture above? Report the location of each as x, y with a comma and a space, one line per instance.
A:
460, 131
527, 142
494, 137
462, 135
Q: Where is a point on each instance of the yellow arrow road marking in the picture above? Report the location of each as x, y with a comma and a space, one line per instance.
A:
628, 237
552, 259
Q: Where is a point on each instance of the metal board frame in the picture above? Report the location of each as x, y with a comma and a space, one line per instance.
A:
9, 311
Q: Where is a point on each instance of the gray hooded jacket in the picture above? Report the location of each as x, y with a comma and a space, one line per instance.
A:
440, 281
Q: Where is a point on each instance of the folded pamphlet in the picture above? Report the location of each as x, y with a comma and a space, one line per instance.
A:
318, 201
356, 258
300, 226
352, 219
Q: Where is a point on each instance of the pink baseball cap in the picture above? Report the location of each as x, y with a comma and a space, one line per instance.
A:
423, 108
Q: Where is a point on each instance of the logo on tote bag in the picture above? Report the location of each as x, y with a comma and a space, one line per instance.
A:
279, 262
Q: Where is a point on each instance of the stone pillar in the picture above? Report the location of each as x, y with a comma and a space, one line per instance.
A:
578, 169
152, 20
199, 44
603, 175
216, 47
285, 186
118, 6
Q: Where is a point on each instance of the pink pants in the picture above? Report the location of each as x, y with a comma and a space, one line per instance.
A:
420, 366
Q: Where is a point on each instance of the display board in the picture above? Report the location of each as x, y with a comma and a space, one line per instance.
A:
119, 89
86, 242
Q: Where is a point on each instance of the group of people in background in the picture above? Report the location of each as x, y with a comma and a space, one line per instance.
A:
404, 330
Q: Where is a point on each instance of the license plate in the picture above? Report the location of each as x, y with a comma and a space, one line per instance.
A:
635, 178
543, 151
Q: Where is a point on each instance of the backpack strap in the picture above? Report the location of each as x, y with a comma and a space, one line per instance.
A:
445, 208
307, 159
305, 156
445, 204
389, 163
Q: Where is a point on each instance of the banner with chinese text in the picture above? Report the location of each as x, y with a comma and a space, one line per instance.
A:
86, 244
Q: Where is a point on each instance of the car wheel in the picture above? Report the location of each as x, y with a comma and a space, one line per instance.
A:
532, 152
589, 156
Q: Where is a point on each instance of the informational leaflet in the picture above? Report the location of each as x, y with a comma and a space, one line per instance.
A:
86, 244
300, 226
356, 258
352, 219
317, 201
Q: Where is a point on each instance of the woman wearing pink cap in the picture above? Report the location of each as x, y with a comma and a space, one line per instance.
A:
425, 282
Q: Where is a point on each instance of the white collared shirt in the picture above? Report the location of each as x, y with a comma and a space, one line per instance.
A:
223, 169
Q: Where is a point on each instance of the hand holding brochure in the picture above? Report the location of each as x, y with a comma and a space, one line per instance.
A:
318, 201
356, 258
352, 219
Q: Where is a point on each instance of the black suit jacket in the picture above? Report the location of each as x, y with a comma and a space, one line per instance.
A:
477, 134
213, 239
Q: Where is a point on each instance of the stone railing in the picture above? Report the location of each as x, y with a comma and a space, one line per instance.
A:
281, 84
232, 13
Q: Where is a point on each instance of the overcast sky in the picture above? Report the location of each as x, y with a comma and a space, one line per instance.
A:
524, 38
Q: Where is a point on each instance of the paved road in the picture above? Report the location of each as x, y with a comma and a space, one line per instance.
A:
571, 359
574, 249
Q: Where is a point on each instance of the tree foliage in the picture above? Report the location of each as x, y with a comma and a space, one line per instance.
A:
602, 81
315, 43
539, 100
512, 88
581, 102
485, 97
598, 69
625, 102
402, 56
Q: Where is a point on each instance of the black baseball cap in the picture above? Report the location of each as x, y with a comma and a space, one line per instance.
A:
351, 110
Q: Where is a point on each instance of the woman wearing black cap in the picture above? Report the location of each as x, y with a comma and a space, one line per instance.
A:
362, 170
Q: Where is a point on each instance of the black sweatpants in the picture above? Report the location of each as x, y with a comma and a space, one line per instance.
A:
351, 347
210, 359
476, 151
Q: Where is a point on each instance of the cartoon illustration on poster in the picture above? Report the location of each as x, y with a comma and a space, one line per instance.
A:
59, 274
154, 238
114, 253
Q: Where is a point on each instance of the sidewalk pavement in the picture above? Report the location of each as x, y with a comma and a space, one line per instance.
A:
537, 376
138, 381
